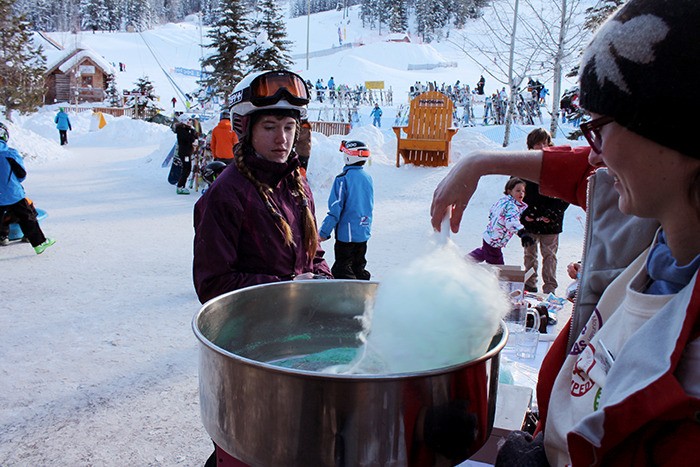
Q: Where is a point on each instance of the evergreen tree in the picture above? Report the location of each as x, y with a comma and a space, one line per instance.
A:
41, 14
144, 86
367, 13
138, 14
425, 25
94, 15
145, 103
271, 51
226, 67
398, 22
299, 8
113, 95
172, 10
209, 11
113, 20
382, 10
22, 66
67, 15
463, 10
460, 12
442, 9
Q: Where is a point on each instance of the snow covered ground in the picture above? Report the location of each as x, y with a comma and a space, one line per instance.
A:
98, 362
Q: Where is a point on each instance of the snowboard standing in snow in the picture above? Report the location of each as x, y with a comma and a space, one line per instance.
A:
175, 170
169, 157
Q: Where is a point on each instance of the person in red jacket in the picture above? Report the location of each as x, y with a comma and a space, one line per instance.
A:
622, 386
223, 139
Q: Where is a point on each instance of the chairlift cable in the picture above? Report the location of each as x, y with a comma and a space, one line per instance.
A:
167, 75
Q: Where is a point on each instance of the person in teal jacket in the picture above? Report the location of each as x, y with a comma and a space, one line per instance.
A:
376, 115
63, 124
12, 196
350, 206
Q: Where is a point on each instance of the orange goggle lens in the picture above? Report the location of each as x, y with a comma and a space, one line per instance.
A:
358, 152
275, 84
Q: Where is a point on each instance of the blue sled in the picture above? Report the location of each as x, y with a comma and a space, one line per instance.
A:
16, 232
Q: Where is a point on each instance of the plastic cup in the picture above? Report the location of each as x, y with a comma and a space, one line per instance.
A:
516, 320
526, 346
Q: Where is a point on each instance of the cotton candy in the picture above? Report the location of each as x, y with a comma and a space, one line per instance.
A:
440, 311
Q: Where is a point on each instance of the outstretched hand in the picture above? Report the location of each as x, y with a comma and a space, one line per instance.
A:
452, 196
454, 192
573, 269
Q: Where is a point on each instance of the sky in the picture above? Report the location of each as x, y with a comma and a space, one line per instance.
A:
98, 360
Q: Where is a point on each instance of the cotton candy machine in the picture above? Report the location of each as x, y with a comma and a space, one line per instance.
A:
266, 415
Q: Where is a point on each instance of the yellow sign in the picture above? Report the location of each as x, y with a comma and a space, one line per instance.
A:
374, 84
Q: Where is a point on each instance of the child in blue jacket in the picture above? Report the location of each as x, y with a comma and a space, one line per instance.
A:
376, 115
350, 206
12, 198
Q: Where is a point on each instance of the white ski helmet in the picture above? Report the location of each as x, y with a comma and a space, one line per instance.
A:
267, 90
354, 151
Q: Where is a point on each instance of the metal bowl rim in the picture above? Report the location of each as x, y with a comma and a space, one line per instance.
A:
337, 377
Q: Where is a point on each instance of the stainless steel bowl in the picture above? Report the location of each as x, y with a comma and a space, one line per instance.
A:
268, 415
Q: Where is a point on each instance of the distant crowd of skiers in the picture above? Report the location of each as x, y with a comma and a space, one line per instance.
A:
570, 110
495, 104
344, 94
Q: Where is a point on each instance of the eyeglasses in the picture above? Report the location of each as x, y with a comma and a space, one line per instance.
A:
591, 131
269, 88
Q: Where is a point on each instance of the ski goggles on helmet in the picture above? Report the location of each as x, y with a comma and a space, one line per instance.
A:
354, 148
269, 88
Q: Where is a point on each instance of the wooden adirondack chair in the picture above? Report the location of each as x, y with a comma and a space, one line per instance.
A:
428, 133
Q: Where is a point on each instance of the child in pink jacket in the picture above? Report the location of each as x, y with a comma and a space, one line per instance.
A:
504, 222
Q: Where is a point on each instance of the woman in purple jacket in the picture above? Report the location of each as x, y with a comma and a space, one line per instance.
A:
256, 223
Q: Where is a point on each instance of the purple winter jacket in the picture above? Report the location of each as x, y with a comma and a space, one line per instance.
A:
237, 242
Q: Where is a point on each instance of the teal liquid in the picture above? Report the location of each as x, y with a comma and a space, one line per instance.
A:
318, 361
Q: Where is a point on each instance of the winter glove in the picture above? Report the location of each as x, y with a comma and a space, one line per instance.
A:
526, 238
523, 450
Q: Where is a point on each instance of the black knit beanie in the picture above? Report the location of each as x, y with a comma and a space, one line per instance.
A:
641, 68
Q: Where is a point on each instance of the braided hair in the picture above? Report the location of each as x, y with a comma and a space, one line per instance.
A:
245, 149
